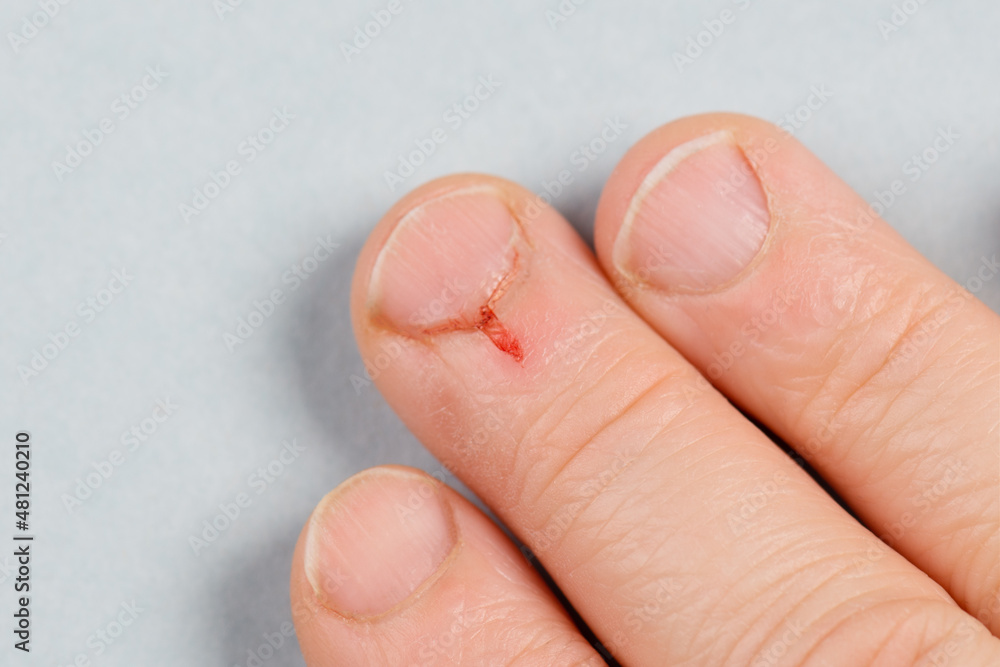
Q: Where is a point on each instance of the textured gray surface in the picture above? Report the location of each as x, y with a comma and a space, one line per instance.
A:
63, 235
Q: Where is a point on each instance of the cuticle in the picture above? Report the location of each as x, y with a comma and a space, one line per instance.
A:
504, 282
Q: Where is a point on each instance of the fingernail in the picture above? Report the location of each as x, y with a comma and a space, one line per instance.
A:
444, 262
373, 541
698, 219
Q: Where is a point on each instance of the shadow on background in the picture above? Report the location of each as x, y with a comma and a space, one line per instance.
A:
356, 430
359, 427
253, 600
352, 431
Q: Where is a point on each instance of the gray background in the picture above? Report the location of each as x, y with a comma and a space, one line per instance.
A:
162, 337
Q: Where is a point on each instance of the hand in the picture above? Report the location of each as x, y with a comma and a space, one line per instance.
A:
589, 403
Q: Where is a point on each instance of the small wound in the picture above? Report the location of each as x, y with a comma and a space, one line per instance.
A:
502, 338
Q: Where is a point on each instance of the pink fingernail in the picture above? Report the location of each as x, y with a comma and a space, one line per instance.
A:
698, 219
446, 264
373, 541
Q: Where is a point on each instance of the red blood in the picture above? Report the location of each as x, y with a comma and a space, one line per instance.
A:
494, 329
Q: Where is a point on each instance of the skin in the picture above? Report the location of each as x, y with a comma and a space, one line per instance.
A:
669, 521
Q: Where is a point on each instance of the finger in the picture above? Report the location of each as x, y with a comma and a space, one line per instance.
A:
782, 286
394, 568
676, 528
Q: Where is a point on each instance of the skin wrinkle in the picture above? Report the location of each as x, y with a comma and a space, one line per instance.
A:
833, 296
528, 439
848, 618
705, 631
868, 432
787, 576
916, 322
799, 557
979, 378
621, 547
596, 387
964, 568
605, 522
646, 447
893, 630
605, 424
642, 579
816, 589
823, 392
546, 645
881, 648
873, 322
462, 378
899, 428
573, 529
987, 552
804, 570
891, 462
607, 333
777, 546
671, 453
568, 388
